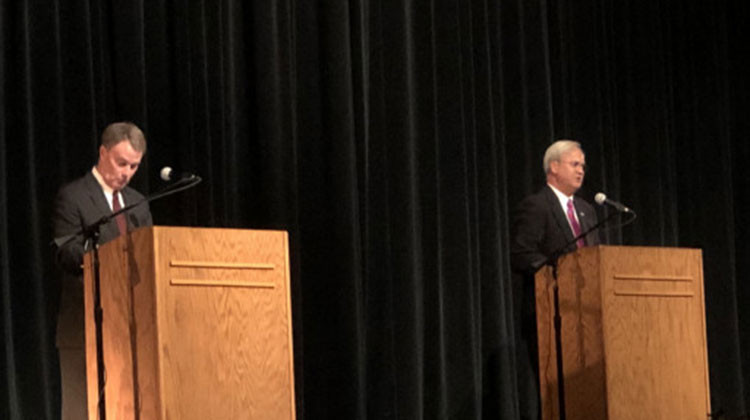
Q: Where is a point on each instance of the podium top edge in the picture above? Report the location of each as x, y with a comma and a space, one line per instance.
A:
653, 247
221, 229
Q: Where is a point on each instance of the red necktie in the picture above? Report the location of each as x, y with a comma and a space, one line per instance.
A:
122, 224
574, 223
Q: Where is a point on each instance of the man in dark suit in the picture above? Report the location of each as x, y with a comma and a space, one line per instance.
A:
78, 205
543, 227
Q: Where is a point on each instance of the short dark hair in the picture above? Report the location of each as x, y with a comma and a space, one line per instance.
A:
121, 131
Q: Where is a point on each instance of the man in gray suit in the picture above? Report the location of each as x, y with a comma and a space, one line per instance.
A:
78, 205
543, 227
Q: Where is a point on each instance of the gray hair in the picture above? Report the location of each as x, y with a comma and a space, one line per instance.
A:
557, 149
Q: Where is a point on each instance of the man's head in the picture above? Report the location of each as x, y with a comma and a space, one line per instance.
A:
123, 146
565, 166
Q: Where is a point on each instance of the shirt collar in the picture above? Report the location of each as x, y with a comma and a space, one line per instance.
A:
561, 196
100, 179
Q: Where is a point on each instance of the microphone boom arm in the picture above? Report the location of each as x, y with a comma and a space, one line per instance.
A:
93, 229
552, 259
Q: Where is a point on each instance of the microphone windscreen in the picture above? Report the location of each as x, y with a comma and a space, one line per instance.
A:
166, 173
600, 198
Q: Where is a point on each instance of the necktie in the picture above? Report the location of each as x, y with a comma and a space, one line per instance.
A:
122, 224
574, 223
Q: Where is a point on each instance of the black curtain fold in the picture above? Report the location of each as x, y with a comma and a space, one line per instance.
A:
391, 140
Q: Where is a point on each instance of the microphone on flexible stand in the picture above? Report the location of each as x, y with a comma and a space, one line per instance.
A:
185, 181
168, 174
602, 199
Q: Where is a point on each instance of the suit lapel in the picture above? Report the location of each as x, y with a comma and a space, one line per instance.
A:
583, 217
99, 202
130, 199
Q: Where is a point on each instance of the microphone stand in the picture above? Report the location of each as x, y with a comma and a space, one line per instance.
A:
557, 319
552, 259
91, 235
92, 239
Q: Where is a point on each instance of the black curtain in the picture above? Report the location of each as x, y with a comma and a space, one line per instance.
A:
391, 139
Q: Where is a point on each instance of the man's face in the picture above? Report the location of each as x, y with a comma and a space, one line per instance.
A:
569, 171
118, 164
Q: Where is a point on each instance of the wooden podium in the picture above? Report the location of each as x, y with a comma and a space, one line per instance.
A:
196, 325
633, 334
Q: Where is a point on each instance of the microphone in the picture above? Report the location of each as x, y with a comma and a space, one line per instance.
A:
601, 198
168, 174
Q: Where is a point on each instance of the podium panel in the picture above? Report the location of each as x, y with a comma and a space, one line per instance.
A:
633, 334
196, 325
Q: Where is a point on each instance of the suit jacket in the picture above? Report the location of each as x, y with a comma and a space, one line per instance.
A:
80, 204
540, 228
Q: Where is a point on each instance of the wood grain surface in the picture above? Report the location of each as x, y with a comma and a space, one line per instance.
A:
633, 334
197, 325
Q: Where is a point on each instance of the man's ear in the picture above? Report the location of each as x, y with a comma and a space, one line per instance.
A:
554, 166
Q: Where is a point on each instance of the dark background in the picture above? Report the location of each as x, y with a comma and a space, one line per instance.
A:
391, 139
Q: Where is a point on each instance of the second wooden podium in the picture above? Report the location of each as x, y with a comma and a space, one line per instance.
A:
196, 325
633, 334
